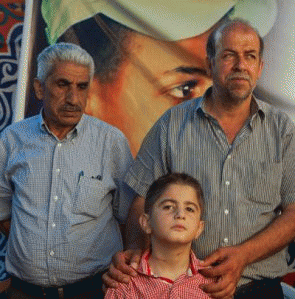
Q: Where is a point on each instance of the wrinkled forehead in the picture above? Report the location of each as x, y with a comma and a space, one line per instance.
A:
236, 30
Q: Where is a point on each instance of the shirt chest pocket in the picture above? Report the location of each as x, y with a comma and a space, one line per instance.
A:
263, 181
93, 198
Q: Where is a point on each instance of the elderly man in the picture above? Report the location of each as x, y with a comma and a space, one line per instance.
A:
242, 151
61, 185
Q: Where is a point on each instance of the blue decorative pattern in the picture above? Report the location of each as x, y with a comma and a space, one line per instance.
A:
3, 241
8, 74
8, 80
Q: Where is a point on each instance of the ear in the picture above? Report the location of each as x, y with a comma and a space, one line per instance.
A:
261, 66
200, 229
39, 89
144, 221
209, 63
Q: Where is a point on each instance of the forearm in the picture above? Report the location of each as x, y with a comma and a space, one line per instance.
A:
272, 239
135, 238
228, 263
5, 227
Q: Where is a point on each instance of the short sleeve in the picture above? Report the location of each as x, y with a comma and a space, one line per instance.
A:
121, 161
5, 186
288, 159
152, 159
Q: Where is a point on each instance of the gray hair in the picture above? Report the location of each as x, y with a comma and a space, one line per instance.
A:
62, 52
216, 35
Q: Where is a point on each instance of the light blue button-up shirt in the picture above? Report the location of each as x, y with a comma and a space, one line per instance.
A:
63, 198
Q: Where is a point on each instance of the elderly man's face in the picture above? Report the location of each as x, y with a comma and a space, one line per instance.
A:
64, 94
156, 76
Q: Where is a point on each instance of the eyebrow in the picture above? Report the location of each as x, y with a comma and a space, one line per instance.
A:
175, 201
247, 51
70, 82
190, 70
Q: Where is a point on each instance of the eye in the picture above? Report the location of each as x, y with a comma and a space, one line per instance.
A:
190, 209
62, 83
251, 56
185, 91
83, 86
228, 55
167, 207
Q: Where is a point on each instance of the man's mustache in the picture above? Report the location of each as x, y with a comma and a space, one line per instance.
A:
71, 108
239, 76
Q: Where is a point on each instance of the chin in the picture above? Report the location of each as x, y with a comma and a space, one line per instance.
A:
238, 96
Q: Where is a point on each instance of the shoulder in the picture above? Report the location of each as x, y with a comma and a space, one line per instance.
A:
275, 118
134, 289
96, 125
120, 292
25, 126
185, 109
178, 115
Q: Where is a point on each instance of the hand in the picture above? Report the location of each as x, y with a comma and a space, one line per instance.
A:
225, 266
124, 264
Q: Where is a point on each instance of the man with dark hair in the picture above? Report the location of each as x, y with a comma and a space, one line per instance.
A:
241, 150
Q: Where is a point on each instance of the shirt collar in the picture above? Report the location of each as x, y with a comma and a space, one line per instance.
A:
257, 106
144, 267
73, 133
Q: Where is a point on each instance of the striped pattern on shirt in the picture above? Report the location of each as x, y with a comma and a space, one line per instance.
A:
244, 182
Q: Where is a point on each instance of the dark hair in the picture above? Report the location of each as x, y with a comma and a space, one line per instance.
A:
158, 187
216, 35
111, 39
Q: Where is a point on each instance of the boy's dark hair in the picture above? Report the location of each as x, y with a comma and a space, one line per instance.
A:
158, 187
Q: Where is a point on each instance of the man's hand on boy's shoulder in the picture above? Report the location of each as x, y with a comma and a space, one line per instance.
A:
225, 266
122, 268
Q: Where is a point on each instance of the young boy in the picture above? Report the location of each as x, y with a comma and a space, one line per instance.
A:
172, 219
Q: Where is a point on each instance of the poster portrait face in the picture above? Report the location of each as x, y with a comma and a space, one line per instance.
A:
153, 76
150, 55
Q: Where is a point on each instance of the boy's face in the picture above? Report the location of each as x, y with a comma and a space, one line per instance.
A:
175, 217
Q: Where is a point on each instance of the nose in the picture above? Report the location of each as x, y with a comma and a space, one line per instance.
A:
179, 213
72, 95
240, 63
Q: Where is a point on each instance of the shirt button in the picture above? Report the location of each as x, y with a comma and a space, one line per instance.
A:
51, 253
225, 240
58, 170
229, 156
53, 224
59, 144
226, 211
55, 198
227, 183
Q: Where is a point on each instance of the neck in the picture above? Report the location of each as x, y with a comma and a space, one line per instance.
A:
230, 116
59, 132
170, 261
223, 106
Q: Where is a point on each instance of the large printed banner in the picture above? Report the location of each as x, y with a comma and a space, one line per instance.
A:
150, 54
11, 24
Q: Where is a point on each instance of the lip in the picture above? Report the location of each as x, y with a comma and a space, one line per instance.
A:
178, 227
239, 79
70, 112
